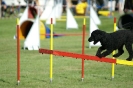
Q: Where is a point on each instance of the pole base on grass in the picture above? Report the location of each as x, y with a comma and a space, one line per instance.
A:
82, 79
50, 80
112, 77
18, 82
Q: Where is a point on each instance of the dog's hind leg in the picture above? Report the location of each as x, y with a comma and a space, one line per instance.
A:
120, 52
130, 51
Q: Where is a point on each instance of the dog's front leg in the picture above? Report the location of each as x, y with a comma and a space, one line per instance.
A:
107, 52
99, 51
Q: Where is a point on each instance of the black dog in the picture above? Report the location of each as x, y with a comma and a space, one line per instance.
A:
113, 41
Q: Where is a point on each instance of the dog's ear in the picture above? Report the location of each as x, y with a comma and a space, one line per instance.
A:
100, 35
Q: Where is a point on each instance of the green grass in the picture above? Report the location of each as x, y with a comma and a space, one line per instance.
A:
66, 71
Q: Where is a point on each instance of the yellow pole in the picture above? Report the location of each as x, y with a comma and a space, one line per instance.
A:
51, 48
113, 65
83, 44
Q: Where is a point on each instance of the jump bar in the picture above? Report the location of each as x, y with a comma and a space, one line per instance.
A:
76, 56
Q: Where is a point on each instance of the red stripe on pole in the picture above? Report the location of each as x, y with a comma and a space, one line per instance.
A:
51, 20
114, 19
83, 44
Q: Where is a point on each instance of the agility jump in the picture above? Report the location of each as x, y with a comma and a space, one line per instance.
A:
66, 54
76, 56
80, 56
86, 57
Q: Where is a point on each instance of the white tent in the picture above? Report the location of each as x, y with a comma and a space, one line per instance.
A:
71, 22
15, 2
22, 2
24, 15
32, 41
94, 21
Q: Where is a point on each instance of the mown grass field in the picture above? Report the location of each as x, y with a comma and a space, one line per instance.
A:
66, 71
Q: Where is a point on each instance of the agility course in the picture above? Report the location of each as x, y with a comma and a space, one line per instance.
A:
73, 55
34, 67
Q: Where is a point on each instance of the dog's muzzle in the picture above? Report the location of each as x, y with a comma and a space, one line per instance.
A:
90, 39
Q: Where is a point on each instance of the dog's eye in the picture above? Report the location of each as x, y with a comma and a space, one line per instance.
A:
93, 37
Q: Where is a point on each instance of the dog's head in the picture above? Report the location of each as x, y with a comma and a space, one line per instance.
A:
96, 36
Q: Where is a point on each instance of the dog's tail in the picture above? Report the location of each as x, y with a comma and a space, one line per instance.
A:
126, 21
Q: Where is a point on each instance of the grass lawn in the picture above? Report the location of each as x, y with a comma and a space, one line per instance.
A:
66, 71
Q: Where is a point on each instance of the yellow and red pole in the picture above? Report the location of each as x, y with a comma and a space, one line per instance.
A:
113, 65
18, 52
51, 48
